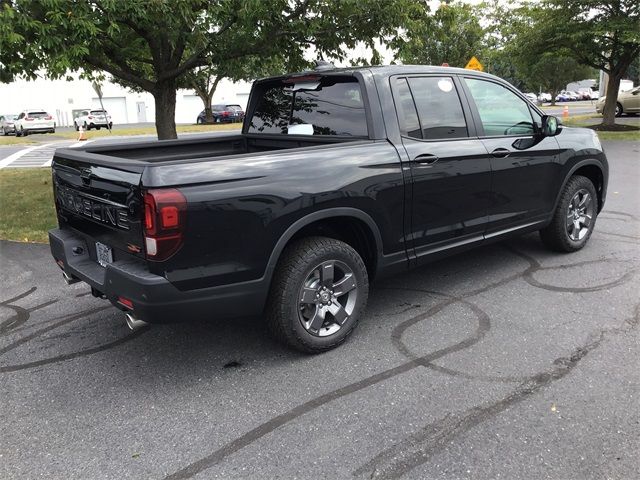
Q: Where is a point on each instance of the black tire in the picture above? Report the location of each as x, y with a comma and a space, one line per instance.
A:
298, 261
98, 128
18, 133
4, 132
556, 235
619, 110
53, 130
24, 132
86, 127
75, 125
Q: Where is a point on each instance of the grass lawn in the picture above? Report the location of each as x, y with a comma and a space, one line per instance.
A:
103, 132
27, 211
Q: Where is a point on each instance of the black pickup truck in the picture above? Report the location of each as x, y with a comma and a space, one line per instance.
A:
338, 176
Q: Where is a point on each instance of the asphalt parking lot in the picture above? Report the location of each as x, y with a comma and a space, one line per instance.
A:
505, 362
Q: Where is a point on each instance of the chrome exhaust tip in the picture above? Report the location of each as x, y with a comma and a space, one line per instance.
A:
133, 323
69, 279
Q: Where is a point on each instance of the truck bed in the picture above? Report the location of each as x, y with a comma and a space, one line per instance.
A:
182, 150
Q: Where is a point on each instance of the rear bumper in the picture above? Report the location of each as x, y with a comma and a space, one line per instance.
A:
39, 129
154, 298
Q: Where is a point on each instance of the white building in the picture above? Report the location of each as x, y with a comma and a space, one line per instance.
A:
61, 99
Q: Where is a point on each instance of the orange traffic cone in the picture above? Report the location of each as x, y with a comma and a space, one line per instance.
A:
565, 112
81, 135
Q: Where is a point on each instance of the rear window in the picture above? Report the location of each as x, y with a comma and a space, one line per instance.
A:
98, 112
235, 108
326, 106
38, 114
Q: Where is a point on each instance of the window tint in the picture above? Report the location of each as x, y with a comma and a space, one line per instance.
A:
407, 111
334, 107
98, 112
501, 111
439, 108
38, 114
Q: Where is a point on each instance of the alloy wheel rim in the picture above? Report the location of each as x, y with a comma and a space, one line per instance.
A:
579, 215
327, 298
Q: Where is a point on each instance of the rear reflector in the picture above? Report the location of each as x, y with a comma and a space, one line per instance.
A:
125, 302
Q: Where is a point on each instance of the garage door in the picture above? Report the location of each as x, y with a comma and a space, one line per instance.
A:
116, 106
187, 108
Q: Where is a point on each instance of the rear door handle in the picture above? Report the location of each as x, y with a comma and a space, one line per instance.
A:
500, 153
426, 159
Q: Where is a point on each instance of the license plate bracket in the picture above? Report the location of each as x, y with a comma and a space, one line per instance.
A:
104, 254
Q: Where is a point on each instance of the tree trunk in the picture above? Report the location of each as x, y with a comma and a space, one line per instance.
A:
165, 99
609, 112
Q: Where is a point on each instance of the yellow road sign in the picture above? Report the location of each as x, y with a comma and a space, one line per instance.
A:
474, 64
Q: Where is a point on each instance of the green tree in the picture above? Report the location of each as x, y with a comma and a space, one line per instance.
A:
603, 34
151, 45
204, 80
451, 35
552, 73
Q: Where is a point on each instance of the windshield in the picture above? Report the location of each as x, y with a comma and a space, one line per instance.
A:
330, 106
10, 117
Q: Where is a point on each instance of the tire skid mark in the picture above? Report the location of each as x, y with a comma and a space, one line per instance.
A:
21, 314
421, 446
621, 235
537, 267
20, 296
605, 213
69, 356
66, 319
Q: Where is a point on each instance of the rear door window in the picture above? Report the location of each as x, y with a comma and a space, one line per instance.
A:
329, 106
501, 111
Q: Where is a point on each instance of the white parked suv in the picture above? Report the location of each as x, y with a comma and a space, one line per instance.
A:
34, 121
89, 119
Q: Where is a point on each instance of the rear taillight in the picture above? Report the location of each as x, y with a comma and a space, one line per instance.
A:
165, 212
225, 114
48, 117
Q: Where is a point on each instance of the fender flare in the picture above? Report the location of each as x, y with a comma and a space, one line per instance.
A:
313, 217
577, 166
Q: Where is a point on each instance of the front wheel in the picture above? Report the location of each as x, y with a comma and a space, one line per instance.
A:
574, 218
318, 293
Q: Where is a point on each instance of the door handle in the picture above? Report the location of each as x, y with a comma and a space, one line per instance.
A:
500, 153
426, 159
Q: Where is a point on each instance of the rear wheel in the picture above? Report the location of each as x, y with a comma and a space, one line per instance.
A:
574, 218
75, 125
24, 132
318, 293
3, 132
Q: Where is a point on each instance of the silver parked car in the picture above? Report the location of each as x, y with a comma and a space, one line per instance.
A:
7, 124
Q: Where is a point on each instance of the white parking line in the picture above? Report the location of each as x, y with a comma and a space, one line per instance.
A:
77, 144
15, 156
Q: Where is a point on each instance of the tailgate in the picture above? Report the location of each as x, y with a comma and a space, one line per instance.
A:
102, 203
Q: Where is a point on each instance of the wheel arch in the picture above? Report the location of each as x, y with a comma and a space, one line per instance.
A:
592, 169
373, 241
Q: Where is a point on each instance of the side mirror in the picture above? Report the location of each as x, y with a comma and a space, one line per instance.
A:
550, 126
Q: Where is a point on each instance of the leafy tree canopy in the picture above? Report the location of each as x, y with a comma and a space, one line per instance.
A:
602, 34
